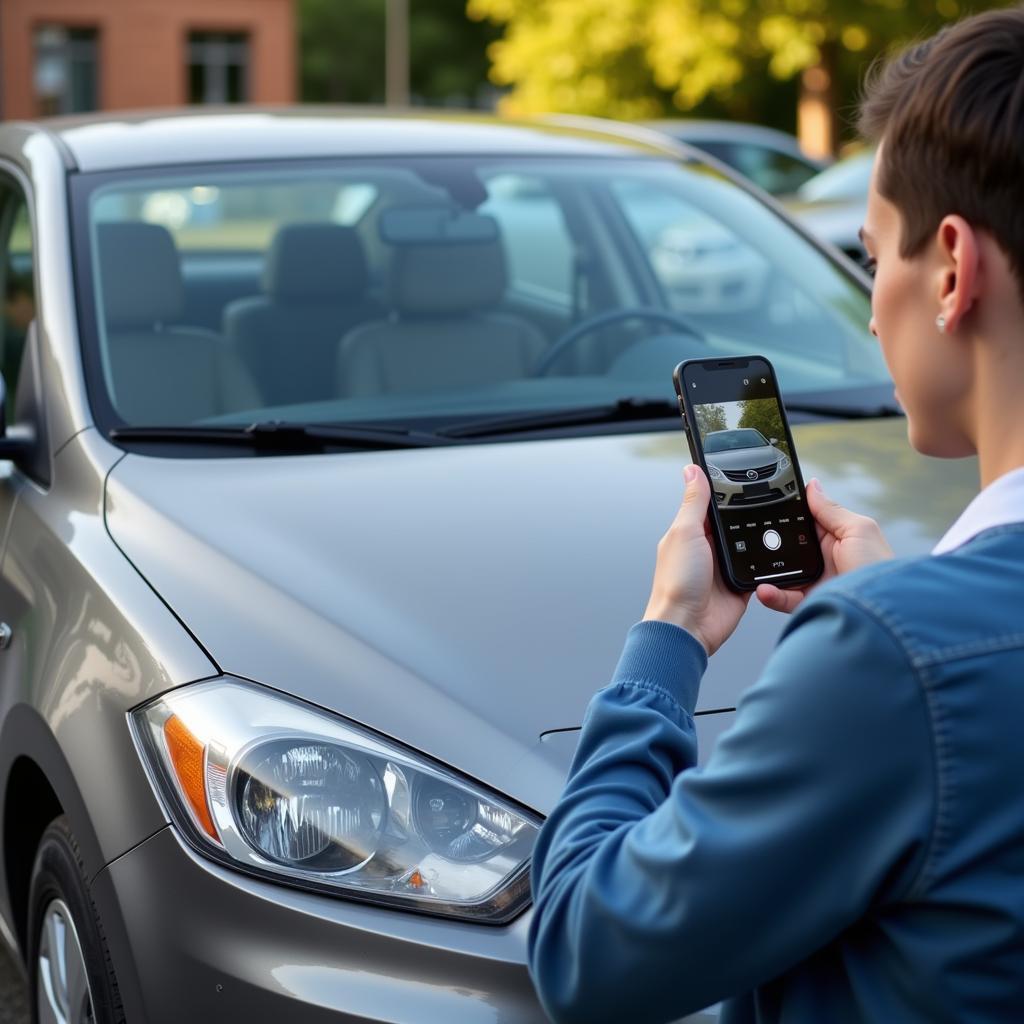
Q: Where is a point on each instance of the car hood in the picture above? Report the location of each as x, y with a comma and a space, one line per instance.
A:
465, 600
744, 458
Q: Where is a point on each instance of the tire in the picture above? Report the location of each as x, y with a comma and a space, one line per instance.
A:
63, 919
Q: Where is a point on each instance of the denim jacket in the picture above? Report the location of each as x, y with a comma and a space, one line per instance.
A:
853, 850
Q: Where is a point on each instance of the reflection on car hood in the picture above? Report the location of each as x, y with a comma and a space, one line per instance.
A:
465, 600
744, 458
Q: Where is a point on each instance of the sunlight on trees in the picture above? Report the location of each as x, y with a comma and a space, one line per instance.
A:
647, 58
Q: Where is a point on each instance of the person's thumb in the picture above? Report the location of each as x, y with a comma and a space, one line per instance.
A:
828, 513
694, 509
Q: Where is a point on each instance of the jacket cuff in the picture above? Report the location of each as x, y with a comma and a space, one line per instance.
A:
665, 656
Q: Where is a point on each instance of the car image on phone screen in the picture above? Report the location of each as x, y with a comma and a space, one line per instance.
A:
737, 430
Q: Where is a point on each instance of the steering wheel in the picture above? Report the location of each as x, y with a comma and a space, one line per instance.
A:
602, 320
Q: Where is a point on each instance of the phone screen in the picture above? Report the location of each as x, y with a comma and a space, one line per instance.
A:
738, 431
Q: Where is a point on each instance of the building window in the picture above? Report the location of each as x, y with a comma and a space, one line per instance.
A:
65, 69
218, 67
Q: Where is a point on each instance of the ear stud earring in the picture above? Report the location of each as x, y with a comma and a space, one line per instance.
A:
940, 322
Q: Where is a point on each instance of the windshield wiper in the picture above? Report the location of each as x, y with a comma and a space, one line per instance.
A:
622, 411
280, 436
287, 437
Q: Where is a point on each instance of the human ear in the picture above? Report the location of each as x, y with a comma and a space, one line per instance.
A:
958, 252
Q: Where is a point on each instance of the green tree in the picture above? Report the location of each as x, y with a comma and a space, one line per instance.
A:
765, 415
449, 53
341, 52
709, 417
641, 58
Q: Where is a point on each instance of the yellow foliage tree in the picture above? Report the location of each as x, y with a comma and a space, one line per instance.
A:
623, 59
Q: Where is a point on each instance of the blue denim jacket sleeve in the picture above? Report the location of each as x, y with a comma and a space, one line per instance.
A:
661, 888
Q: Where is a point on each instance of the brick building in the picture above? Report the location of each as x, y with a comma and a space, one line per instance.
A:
65, 56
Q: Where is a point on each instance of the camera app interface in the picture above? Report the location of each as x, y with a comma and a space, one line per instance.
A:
767, 528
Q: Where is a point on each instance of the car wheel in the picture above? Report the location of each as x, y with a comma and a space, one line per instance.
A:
72, 977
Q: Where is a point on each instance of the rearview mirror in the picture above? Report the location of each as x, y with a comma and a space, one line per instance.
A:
435, 225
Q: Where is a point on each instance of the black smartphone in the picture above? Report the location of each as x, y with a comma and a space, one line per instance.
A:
738, 434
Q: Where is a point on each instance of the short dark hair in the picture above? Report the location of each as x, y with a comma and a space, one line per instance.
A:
950, 111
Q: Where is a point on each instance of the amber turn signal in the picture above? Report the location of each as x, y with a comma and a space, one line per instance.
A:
186, 754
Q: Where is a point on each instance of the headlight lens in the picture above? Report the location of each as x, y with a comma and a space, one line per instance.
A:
263, 782
784, 464
311, 804
715, 473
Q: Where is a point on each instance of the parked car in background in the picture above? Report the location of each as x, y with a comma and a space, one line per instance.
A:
833, 204
771, 159
708, 268
332, 490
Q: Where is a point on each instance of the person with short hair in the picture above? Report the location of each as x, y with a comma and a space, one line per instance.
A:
853, 850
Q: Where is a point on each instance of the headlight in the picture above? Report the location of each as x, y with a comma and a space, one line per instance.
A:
784, 464
265, 783
715, 473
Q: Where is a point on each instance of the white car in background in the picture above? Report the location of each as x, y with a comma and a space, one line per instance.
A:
833, 205
709, 269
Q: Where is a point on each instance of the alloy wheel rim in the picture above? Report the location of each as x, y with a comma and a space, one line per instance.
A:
63, 995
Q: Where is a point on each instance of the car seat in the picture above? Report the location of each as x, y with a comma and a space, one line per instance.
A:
446, 332
160, 372
315, 281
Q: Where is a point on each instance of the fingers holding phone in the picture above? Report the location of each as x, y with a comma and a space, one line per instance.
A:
848, 541
688, 590
738, 433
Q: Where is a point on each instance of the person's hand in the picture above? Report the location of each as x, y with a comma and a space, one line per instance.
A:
848, 541
688, 590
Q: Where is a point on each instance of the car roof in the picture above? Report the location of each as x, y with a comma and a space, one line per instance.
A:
122, 140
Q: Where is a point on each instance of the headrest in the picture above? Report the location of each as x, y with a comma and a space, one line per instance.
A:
140, 274
444, 279
318, 262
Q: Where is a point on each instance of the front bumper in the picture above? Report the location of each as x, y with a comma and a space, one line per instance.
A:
736, 494
192, 941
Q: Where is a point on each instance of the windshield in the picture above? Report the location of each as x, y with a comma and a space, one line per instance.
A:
437, 290
730, 440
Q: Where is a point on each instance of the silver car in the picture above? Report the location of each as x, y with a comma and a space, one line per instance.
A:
771, 159
746, 468
337, 452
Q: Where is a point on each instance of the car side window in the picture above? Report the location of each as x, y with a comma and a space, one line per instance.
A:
18, 283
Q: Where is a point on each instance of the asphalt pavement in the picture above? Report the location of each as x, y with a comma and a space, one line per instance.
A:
13, 997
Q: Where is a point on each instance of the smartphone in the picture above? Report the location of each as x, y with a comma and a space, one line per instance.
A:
738, 434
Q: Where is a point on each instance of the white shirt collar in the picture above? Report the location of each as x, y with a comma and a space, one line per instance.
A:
1000, 503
